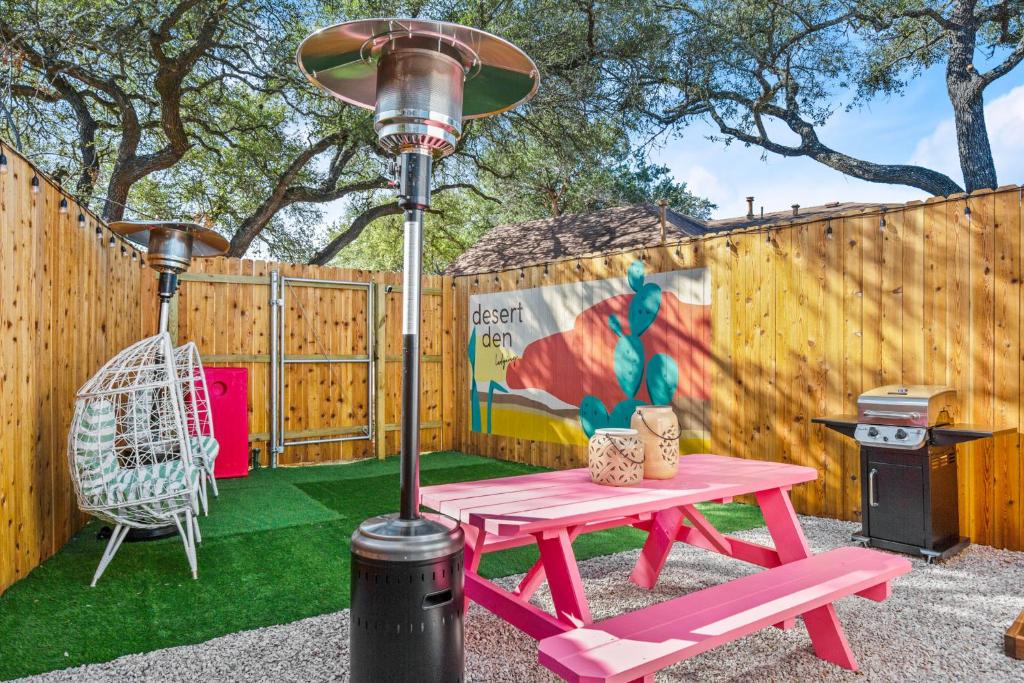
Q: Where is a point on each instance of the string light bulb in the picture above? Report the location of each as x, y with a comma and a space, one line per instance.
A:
81, 220
828, 230
124, 252
63, 205
135, 255
112, 242
3, 162
35, 184
99, 232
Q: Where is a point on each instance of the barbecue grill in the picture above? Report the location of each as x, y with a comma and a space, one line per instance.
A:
908, 437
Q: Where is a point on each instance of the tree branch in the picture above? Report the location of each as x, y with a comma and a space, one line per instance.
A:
1012, 60
354, 229
360, 222
276, 200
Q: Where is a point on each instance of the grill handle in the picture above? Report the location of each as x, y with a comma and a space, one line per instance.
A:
892, 414
872, 501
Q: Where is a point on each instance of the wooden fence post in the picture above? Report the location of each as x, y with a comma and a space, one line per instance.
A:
380, 345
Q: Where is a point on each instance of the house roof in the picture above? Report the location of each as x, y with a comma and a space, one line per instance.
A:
517, 245
548, 239
805, 213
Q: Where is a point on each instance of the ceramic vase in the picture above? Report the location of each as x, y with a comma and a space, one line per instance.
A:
658, 429
616, 457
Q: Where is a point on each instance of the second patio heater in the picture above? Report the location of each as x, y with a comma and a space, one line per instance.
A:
170, 248
422, 79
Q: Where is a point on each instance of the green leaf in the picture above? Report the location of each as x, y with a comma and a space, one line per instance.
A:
593, 415
629, 364
662, 379
635, 275
643, 308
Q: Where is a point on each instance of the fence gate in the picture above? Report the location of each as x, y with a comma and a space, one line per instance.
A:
321, 357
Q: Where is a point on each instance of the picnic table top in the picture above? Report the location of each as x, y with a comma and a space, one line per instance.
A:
511, 506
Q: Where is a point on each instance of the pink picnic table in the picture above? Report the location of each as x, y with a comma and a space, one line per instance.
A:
551, 509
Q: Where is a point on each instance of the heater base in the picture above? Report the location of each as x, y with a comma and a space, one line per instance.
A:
406, 615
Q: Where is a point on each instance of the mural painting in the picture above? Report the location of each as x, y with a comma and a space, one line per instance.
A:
555, 363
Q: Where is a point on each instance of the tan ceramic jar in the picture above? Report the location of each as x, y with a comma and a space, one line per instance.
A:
658, 429
616, 457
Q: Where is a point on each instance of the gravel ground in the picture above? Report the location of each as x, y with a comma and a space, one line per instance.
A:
944, 622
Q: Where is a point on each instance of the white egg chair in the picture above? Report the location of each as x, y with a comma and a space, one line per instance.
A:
130, 452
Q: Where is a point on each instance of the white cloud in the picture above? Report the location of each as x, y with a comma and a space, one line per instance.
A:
701, 181
1004, 117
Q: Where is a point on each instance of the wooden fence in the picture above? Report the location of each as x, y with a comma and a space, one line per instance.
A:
806, 316
67, 303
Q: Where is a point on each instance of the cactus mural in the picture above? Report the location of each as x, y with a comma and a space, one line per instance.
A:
556, 362
630, 363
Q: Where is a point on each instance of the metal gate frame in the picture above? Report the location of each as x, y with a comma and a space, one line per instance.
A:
278, 360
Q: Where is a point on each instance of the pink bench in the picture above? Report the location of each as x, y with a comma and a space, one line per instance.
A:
631, 647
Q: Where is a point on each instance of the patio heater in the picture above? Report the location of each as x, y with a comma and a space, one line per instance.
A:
422, 79
170, 247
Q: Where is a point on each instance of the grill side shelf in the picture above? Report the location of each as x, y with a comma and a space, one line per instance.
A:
947, 435
844, 424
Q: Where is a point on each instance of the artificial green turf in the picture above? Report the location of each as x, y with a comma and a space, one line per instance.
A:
275, 549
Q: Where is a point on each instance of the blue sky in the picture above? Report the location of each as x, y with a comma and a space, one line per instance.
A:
914, 128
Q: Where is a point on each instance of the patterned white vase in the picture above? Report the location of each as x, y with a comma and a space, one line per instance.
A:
616, 457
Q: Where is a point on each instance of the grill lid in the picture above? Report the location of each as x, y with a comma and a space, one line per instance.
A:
915, 405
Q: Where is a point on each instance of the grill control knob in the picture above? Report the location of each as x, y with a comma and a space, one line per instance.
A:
873, 431
901, 434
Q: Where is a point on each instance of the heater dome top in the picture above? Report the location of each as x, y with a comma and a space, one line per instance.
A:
205, 242
342, 59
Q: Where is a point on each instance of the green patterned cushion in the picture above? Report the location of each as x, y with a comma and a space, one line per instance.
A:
156, 480
95, 459
204, 451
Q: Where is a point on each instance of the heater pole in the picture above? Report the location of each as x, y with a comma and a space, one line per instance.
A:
167, 287
414, 199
